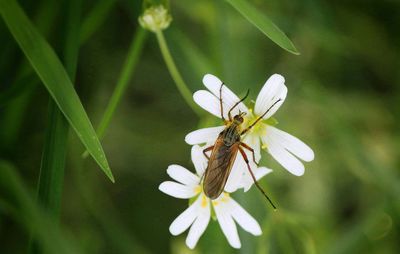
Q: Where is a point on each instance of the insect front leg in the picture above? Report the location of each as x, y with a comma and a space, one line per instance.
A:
207, 150
254, 178
220, 104
251, 150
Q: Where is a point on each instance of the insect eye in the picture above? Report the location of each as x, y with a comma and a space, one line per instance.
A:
238, 118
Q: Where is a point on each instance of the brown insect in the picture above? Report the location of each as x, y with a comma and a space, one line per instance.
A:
225, 149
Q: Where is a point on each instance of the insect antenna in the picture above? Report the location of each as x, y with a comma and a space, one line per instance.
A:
237, 103
260, 117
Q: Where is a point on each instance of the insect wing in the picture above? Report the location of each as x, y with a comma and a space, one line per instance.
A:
219, 168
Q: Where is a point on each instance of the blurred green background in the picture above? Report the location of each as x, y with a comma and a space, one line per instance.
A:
343, 101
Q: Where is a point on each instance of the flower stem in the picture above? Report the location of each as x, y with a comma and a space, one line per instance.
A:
126, 74
127, 70
176, 76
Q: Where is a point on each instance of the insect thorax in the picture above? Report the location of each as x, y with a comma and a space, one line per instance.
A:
231, 134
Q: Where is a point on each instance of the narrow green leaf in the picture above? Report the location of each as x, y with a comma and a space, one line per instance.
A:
264, 24
51, 175
17, 203
54, 77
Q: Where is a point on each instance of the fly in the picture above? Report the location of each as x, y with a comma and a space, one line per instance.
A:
225, 150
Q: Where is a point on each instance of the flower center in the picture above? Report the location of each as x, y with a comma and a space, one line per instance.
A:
259, 128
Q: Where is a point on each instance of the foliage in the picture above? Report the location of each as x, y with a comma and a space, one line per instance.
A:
342, 101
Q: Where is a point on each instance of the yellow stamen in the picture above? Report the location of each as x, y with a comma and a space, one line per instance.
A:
203, 201
225, 197
197, 189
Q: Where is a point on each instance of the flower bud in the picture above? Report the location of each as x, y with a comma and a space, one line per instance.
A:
155, 18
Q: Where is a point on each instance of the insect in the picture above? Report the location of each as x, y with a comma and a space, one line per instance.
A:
225, 150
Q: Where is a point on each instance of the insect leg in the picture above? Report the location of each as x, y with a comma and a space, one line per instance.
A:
220, 104
251, 150
259, 118
254, 178
206, 150
237, 103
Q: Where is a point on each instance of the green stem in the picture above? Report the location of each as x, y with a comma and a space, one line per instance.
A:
176, 76
126, 74
95, 18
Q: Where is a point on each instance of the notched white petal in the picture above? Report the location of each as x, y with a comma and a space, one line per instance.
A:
229, 98
205, 135
211, 82
199, 226
186, 218
177, 190
291, 143
273, 90
227, 224
199, 160
253, 140
243, 218
207, 101
285, 158
235, 177
247, 180
182, 175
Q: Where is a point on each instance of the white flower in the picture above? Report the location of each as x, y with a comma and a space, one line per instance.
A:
155, 18
198, 214
285, 148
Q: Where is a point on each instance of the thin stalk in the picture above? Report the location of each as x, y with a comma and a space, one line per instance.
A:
95, 18
125, 76
176, 76
51, 176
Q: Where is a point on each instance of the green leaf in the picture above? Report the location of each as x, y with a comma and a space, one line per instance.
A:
54, 77
17, 203
264, 24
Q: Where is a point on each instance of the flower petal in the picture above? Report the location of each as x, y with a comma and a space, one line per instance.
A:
284, 157
186, 218
226, 222
291, 143
253, 141
199, 160
243, 218
208, 101
182, 175
234, 180
247, 180
205, 135
229, 98
273, 90
177, 190
199, 226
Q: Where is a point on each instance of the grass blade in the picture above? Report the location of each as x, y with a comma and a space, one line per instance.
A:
16, 202
264, 24
54, 152
54, 77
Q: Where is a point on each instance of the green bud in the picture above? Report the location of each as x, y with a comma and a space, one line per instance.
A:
155, 18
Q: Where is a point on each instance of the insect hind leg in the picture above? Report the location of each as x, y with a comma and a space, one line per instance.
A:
254, 178
251, 150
